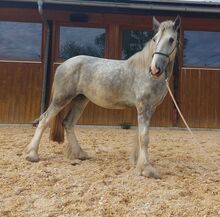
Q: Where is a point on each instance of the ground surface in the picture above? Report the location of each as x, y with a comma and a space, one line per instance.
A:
106, 185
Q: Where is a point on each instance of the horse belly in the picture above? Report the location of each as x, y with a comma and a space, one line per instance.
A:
107, 102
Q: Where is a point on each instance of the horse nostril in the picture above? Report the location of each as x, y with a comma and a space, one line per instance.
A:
158, 70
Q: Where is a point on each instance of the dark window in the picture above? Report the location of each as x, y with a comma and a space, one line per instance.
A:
20, 40
201, 49
81, 41
134, 41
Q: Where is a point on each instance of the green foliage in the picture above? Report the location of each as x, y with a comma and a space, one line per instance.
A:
134, 41
125, 125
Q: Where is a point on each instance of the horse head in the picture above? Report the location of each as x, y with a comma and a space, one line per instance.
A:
165, 45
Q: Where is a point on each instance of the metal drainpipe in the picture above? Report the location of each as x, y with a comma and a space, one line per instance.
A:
48, 24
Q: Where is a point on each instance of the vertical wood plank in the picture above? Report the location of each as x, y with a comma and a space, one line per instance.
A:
21, 86
199, 97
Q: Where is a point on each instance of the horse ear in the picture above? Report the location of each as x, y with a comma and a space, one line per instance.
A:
156, 24
176, 24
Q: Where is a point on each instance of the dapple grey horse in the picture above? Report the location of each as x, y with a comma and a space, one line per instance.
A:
118, 84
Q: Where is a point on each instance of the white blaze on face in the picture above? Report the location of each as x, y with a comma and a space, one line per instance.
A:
153, 68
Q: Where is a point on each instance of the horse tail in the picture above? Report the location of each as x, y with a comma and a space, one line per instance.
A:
56, 128
56, 125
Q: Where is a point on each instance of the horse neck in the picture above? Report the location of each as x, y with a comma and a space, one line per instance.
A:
140, 62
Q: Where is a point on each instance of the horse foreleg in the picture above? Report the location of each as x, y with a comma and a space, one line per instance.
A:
143, 165
73, 149
32, 148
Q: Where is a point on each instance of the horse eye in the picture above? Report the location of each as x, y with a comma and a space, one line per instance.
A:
154, 39
171, 40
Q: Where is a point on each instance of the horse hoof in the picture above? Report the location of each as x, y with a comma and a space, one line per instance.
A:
83, 155
32, 157
150, 172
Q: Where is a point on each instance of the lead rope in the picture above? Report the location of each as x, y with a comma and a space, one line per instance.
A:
188, 128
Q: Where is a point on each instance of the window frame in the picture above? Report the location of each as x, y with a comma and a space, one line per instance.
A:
42, 41
58, 25
195, 66
196, 24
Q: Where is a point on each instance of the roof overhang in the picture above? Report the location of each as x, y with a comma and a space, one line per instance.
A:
171, 7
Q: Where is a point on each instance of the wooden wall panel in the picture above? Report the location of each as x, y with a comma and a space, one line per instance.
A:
20, 92
20, 15
200, 98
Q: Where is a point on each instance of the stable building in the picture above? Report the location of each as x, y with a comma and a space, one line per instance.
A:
37, 36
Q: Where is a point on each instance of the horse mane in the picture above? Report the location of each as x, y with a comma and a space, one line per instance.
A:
141, 60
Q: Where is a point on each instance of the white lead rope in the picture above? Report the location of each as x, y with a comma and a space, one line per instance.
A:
177, 107
187, 126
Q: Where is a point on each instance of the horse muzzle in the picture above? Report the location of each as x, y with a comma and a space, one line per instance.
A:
155, 71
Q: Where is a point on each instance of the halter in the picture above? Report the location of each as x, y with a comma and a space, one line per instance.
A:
164, 54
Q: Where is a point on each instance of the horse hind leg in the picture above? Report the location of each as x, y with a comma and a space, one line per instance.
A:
44, 121
73, 149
